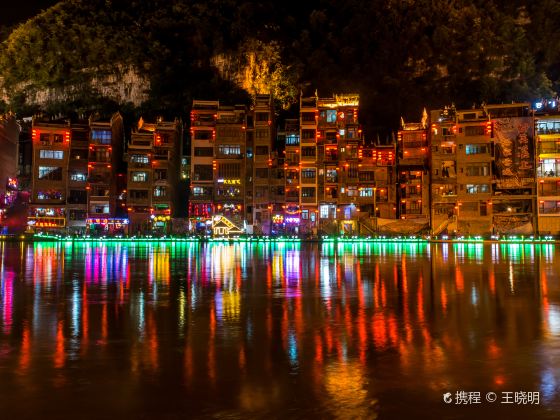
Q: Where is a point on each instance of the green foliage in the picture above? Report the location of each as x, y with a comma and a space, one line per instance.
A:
400, 56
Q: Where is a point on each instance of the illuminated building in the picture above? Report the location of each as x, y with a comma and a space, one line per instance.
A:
512, 151
261, 131
49, 182
203, 132
9, 136
231, 161
413, 173
106, 172
547, 127
229, 150
291, 218
482, 170
77, 176
154, 164
308, 164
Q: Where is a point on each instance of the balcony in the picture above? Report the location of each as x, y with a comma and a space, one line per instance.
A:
548, 174
97, 179
99, 198
549, 148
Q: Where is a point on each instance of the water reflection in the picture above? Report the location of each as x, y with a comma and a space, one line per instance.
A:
348, 330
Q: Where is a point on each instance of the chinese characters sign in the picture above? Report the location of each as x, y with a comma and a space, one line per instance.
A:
514, 152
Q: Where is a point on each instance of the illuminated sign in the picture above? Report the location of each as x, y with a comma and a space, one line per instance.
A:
292, 219
277, 218
106, 221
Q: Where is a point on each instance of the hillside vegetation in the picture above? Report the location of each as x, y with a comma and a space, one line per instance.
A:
399, 55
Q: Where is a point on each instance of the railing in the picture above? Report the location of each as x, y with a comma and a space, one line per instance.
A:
548, 174
554, 210
549, 147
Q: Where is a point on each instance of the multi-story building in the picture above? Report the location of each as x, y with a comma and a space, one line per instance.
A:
413, 192
49, 181
547, 127
291, 135
203, 133
229, 164
385, 195
512, 154
9, 138
154, 164
259, 137
340, 173
308, 164
76, 193
482, 170
461, 168
106, 182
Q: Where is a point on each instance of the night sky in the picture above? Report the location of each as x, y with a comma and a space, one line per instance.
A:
13, 12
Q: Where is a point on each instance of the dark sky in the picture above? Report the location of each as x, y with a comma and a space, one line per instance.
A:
15, 11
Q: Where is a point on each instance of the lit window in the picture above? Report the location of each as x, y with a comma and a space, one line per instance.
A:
139, 176
51, 154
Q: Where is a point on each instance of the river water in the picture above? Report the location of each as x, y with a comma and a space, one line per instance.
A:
240, 331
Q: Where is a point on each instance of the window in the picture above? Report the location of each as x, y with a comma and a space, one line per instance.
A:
138, 194
308, 116
331, 115
261, 116
229, 149
77, 197
478, 170
229, 170
204, 151
52, 173
159, 192
366, 175
261, 150
203, 135
45, 138
139, 176
139, 159
201, 191
261, 173
308, 135
57, 138
50, 195
477, 188
78, 176
77, 215
366, 192
476, 149
324, 210
305, 214
262, 134
308, 192
203, 173
101, 136
353, 171
331, 175
100, 209
474, 130
51, 154
352, 191
308, 151
101, 156
292, 157
292, 140
160, 174
78, 154
308, 173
